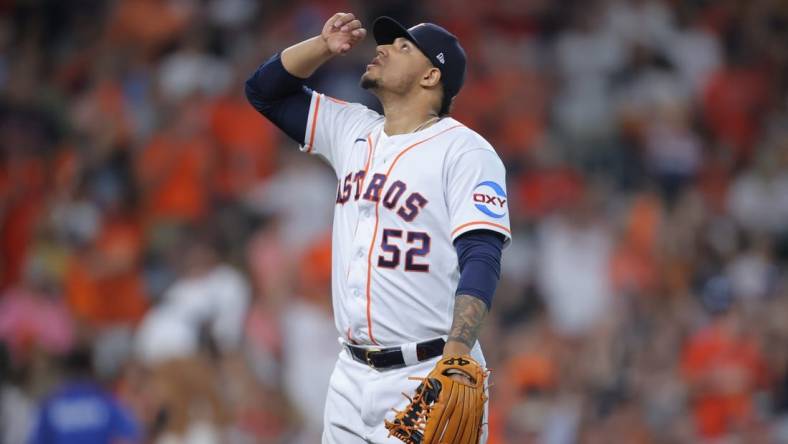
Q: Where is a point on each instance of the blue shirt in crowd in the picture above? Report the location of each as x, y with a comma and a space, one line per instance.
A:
83, 413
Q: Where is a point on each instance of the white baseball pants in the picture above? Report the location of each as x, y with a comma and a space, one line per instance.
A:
360, 398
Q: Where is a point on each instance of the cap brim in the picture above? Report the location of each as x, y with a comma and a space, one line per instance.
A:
386, 30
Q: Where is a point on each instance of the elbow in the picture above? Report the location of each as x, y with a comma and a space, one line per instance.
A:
251, 92
254, 97
249, 89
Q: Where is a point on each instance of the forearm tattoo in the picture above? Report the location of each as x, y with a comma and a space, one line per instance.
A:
469, 312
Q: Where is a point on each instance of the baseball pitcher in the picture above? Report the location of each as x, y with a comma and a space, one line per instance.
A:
420, 220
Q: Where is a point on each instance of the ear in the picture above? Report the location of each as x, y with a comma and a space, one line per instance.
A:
431, 77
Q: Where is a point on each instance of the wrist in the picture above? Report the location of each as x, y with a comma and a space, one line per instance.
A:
454, 347
321, 43
303, 59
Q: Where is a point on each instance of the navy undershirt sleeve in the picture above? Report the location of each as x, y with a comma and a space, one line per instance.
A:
479, 255
281, 97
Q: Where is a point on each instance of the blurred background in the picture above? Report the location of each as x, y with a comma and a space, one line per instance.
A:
165, 252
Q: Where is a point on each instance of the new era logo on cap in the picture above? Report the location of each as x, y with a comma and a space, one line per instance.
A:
441, 58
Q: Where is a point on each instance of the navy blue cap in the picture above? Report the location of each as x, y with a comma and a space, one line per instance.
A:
439, 45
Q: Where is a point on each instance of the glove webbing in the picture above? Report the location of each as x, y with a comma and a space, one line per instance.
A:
409, 424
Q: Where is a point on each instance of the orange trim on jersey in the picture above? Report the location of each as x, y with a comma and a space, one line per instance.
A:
481, 222
370, 152
375, 232
314, 124
341, 102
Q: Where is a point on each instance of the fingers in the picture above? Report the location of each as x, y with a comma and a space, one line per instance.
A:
334, 20
359, 33
341, 19
345, 30
350, 26
347, 22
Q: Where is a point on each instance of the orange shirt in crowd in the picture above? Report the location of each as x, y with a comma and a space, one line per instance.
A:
17, 232
522, 102
476, 103
247, 145
723, 371
633, 266
21, 183
543, 191
174, 175
149, 24
733, 104
103, 284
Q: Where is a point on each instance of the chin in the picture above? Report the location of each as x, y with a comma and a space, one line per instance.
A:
368, 82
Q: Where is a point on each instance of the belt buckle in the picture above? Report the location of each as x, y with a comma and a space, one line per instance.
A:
367, 358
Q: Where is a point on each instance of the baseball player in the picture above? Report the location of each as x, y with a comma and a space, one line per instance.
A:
421, 212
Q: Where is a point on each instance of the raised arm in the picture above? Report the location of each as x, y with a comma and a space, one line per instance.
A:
340, 33
276, 88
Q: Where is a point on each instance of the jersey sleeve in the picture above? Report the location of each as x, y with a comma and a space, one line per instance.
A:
333, 125
476, 194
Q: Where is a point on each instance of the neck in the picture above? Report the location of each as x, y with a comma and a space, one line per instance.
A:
407, 117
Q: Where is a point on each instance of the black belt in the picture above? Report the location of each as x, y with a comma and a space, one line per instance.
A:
391, 357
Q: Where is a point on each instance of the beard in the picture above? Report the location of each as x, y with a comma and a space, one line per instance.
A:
368, 83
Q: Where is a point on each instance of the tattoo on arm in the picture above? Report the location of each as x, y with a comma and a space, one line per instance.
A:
469, 312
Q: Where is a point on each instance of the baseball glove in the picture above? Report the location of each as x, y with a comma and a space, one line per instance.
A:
444, 410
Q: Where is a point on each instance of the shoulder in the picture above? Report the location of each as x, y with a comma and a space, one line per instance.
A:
324, 101
342, 118
467, 143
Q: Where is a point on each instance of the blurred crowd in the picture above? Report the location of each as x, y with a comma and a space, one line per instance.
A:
165, 252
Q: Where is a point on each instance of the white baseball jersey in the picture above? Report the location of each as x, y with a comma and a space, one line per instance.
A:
401, 202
